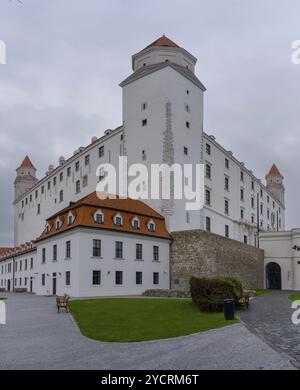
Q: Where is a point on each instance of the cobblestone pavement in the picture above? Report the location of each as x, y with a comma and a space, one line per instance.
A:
36, 337
269, 317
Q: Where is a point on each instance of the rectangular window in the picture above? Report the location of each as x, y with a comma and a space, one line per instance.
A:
119, 250
54, 252
25, 264
38, 209
77, 166
208, 224
69, 172
144, 106
119, 277
226, 183
97, 248
207, 197
252, 185
139, 278
139, 251
77, 186
226, 231
49, 185
68, 278
68, 249
96, 278
252, 202
144, 122
43, 279
101, 151
208, 149
226, 207
242, 213
31, 263
242, 194
85, 181
155, 253
242, 176
187, 124
187, 108
208, 171
42, 189
36, 194
87, 160
61, 196
155, 278
185, 151
61, 176
44, 255
261, 209
245, 239
226, 163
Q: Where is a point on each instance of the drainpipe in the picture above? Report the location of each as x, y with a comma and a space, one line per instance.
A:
13, 281
257, 224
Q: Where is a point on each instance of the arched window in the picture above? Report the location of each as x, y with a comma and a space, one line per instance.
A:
135, 223
99, 217
151, 226
58, 223
71, 218
48, 227
118, 220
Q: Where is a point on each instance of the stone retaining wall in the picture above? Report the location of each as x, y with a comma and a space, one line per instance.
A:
203, 254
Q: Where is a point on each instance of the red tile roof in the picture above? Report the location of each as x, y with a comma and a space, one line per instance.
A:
274, 170
26, 163
4, 250
84, 210
163, 41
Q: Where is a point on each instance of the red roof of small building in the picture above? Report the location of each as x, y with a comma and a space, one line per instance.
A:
84, 210
26, 163
163, 41
274, 170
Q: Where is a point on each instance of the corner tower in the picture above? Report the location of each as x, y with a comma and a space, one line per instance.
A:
26, 178
163, 119
274, 181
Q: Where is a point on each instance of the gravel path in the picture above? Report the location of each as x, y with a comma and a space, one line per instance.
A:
36, 337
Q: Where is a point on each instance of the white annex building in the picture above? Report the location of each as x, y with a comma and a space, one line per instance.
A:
162, 124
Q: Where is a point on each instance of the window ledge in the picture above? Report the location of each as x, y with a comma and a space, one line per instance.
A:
68, 258
119, 258
97, 257
138, 259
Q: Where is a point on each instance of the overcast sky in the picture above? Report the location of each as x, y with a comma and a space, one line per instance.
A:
65, 59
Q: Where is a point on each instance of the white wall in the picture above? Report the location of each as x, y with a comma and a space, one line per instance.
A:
278, 247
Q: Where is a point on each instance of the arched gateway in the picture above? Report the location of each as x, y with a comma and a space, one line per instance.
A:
273, 276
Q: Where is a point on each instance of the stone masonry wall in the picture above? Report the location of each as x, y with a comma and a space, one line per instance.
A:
203, 254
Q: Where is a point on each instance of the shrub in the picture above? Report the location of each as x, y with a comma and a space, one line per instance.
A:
209, 293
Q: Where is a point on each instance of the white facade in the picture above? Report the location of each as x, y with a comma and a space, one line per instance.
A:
240, 188
282, 249
40, 271
162, 123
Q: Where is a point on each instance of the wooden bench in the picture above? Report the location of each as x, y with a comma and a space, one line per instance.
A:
62, 303
243, 302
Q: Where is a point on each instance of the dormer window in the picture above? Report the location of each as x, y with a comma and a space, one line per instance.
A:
118, 220
99, 217
135, 223
58, 223
71, 218
48, 228
151, 226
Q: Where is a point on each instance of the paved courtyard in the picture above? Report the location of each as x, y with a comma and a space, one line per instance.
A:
36, 337
270, 319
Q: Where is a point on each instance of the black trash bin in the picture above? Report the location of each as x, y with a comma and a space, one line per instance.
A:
229, 309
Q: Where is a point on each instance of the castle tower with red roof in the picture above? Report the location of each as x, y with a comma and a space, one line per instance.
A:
275, 183
26, 178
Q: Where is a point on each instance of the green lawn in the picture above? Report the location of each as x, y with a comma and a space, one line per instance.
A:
123, 319
2, 298
262, 292
294, 297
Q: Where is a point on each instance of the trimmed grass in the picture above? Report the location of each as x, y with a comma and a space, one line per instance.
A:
2, 298
262, 292
125, 320
294, 297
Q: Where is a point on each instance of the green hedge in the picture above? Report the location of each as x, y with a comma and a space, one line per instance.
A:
208, 293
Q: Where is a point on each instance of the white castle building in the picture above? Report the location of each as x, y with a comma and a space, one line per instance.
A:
162, 124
